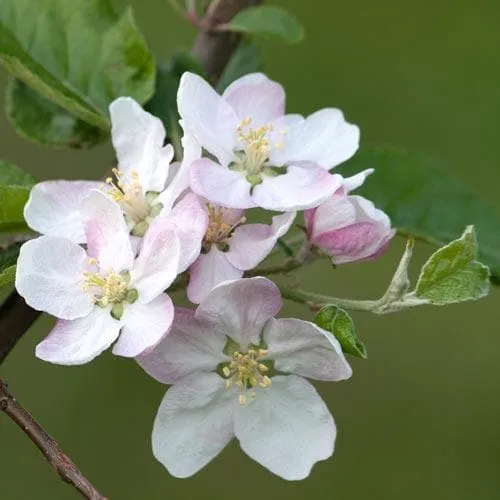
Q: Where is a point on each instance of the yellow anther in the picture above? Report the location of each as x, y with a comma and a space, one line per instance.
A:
109, 289
219, 227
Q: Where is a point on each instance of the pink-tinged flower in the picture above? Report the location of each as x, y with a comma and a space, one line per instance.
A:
236, 371
102, 293
146, 185
348, 228
231, 247
264, 157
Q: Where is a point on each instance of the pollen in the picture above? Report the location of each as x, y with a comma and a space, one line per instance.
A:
246, 372
106, 290
220, 227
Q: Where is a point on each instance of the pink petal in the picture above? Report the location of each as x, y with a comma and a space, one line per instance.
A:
144, 325
208, 271
190, 218
220, 185
256, 96
53, 208
107, 234
324, 138
191, 346
79, 341
302, 186
241, 308
336, 212
49, 277
157, 265
251, 243
207, 116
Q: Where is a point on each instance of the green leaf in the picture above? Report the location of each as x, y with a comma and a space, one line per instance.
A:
246, 59
452, 274
425, 200
268, 19
15, 186
164, 102
77, 53
42, 121
8, 259
7, 276
338, 322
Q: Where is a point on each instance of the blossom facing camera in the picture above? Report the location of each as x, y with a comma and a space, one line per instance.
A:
348, 228
236, 371
264, 158
105, 293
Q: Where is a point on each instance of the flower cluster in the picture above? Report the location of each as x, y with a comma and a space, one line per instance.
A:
109, 251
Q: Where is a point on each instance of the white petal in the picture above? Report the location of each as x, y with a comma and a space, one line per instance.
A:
193, 425
207, 116
336, 212
303, 348
251, 243
208, 271
53, 208
191, 346
287, 428
107, 234
138, 139
220, 185
49, 277
144, 325
241, 308
256, 96
323, 137
81, 340
355, 181
158, 261
190, 218
303, 186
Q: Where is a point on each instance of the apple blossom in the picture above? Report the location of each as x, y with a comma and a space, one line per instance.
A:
98, 293
230, 247
348, 228
236, 371
264, 157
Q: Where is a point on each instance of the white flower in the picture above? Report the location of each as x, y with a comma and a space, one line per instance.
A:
98, 293
229, 363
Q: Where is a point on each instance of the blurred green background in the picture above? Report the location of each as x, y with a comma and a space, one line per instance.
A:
421, 417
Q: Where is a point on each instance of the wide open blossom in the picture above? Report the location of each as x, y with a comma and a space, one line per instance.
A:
146, 185
236, 371
264, 157
231, 247
349, 228
98, 293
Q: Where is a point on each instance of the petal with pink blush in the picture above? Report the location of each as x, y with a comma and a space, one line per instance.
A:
53, 208
107, 234
191, 220
257, 97
158, 262
241, 308
220, 185
49, 277
335, 213
207, 116
144, 325
323, 137
303, 186
209, 270
81, 340
251, 243
355, 181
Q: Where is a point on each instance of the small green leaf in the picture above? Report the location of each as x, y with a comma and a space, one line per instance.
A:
452, 274
7, 276
246, 59
8, 258
79, 54
338, 322
425, 200
12, 175
46, 123
268, 19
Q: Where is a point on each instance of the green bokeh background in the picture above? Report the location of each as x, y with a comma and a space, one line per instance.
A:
421, 417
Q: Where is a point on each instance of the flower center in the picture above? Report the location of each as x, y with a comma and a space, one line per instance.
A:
246, 371
137, 206
219, 229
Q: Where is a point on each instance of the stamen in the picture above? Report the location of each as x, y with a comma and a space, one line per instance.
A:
110, 289
219, 230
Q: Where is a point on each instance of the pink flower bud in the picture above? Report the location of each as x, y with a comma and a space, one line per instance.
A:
348, 228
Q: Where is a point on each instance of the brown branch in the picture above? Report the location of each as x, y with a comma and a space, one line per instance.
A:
57, 459
214, 48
